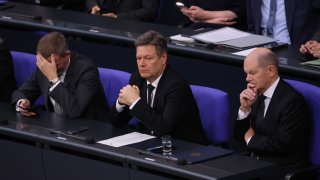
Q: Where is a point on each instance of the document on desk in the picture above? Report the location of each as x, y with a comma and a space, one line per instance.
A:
126, 139
232, 37
313, 63
244, 52
220, 35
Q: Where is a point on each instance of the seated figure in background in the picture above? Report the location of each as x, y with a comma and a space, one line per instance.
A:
142, 10
215, 13
7, 81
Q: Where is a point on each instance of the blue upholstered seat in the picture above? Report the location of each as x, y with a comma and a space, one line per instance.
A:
24, 65
112, 81
311, 95
214, 112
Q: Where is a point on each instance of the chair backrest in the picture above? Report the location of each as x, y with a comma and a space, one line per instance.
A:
24, 66
213, 105
311, 94
112, 81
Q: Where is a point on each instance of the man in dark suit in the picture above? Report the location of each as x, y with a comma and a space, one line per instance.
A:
7, 81
170, 107
273, 118
69, 82
142, 10
296, 21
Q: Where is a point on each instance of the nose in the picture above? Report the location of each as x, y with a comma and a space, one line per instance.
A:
248, 78
141, 62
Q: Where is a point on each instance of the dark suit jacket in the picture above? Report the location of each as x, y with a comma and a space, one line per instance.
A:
283, 137
174, 111
302, 19
80, 95
143, 10
7, 81
236, 6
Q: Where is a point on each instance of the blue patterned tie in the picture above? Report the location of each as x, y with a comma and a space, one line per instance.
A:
272, 16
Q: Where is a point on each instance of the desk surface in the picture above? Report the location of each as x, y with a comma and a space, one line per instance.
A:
37, 129
123, 33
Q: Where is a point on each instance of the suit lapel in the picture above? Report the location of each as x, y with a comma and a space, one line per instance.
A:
274, 103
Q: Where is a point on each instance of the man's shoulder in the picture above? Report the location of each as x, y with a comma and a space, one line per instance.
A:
80, 59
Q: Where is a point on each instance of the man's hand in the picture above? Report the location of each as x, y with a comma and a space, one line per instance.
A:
194, 13
24, 106
312, 47
95, 10
49, 69
128, 95
110, 15
248, 97
224, 21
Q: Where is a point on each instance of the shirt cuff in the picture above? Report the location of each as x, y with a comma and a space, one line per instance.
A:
134, 103
55, 85
119, 107
242, 115
248, 140
17, 105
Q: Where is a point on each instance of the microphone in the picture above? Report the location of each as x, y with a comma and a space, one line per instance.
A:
35, 17
4, 121
89, 140
170, 158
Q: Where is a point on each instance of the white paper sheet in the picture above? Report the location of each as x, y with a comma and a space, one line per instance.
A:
181, 38
126, 139
244, 53
219, 35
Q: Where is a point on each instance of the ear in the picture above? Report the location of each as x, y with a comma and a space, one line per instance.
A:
271, 71
164, 57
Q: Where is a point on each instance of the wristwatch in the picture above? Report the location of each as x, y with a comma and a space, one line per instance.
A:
53, 82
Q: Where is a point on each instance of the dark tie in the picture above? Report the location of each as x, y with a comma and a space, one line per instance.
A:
261, 107
150, 89
272, 16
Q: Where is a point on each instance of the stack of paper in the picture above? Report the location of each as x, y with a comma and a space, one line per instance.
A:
232, 37
126, 139
314, 63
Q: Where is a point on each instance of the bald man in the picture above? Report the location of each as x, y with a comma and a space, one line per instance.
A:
273, 118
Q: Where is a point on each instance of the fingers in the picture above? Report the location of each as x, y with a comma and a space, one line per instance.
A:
28, 114
248, 94
303, 49
95, 10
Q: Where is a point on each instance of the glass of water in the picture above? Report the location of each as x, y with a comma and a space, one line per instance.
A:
166, 145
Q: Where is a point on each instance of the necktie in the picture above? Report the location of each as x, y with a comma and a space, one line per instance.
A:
261, 107
272, 16
150, 89
56, 107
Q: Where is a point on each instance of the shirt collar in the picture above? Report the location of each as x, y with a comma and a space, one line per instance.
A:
269, 92
155, 82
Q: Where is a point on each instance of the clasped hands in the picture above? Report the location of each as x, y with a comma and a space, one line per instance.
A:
129, 94
312, 47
